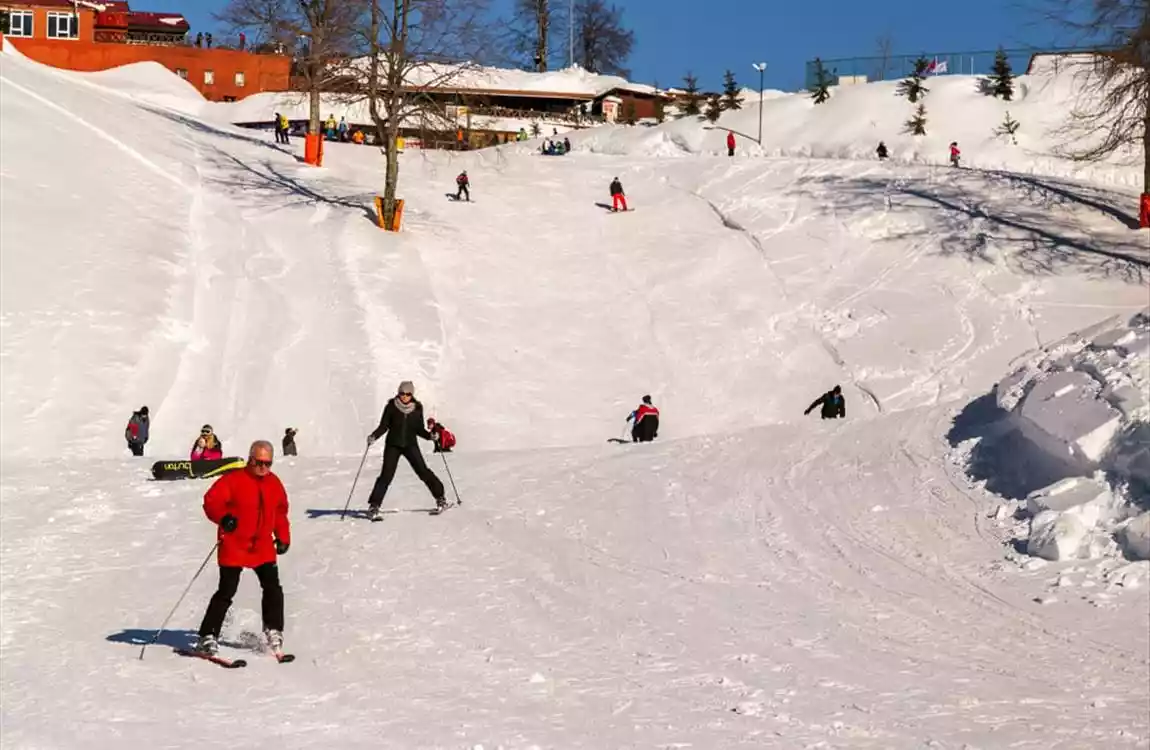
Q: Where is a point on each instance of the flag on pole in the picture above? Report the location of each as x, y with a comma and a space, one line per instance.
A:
936, 67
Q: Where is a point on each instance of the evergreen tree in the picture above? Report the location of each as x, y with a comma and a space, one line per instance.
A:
821, 90
691, 96
1002, 77
916, 125
630, 117
660, 106
912, 87
714, 108
731, 92
1008, 127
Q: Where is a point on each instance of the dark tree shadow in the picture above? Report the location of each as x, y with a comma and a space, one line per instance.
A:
212, 130
140, 637
1054, 191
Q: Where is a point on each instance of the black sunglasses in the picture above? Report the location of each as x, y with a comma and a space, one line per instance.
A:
404, 393
264, 464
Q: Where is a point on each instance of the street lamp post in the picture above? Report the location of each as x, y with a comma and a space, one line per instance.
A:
761, 67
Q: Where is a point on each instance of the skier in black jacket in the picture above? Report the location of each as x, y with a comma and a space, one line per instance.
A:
833, 403
402, 421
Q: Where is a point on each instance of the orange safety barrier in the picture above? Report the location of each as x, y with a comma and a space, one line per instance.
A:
398, 214
313, 149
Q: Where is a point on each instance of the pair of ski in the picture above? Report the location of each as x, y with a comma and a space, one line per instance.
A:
437, 510
227, 663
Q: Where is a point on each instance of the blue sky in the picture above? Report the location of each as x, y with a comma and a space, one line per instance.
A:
676, 35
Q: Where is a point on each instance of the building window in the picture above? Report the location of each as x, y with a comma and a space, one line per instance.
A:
63, 26
182, 73
20, 23
240, 79
209, 77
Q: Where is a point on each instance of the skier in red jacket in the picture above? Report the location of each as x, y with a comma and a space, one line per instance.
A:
646, 418
251, 509
955, 154
730, 143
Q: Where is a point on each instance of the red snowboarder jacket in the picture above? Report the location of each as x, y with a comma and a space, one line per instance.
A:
261, 510
730, 140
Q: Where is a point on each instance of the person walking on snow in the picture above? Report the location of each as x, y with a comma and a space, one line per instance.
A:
730, 143
881, 151
136, 433
462, 186
566, 145
289, 448
342, 129
617, 195
250, 507
833, 403
402, 422
207, 447
646, 418
442, 437
955, 154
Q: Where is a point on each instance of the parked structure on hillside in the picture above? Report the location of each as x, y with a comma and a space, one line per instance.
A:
90, 36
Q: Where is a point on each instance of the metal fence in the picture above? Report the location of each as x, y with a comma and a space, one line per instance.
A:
846, 70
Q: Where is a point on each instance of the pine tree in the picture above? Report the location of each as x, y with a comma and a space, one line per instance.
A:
1002, 77
691, 96
912, 86
821, 90
916, 125
1008, 127
714, 108
630, 117
660, 107
731, 92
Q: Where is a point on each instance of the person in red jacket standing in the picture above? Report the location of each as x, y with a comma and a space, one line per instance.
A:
251, 509
955, 154
730, 143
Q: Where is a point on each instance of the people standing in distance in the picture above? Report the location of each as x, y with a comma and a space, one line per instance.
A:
881, 151
402, 422
832, 402
730, 143
207, 447
250, 507
289, 448
136, 433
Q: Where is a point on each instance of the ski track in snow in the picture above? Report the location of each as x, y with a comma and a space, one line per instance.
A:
752, 579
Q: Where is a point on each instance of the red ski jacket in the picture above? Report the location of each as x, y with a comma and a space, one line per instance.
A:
261, 510
730, 140
645, 411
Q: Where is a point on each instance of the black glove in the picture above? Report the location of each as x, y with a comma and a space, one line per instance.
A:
371, 439
228, 523
281, 547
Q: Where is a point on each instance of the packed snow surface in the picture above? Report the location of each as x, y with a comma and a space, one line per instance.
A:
753, 578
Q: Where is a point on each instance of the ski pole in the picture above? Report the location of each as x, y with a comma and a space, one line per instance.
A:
362, 461
458, 501
181, 600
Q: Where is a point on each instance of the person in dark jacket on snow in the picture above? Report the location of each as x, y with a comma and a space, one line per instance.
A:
463, 186
881, 151
136, 433
289, 442
250, 507
646, 418
833, 403
617, 195
402, 422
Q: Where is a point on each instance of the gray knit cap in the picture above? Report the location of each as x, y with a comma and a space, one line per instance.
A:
406, 387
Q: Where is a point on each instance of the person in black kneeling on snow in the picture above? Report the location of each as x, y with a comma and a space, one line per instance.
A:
646, 418
833, 403
442, 437
881, 151
463, 185
402, 422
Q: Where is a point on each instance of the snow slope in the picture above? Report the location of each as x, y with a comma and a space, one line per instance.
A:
753, 578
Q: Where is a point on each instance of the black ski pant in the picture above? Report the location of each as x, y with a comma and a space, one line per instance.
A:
391, 454
730, 152
136, 448
273, 599
461, 192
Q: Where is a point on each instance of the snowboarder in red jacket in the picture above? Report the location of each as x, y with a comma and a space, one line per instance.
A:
955, 154
250, 507
646, 418
463, 186
730, 143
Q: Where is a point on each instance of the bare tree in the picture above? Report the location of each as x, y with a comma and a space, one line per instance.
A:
417, 48
323, 36
885, 44
1112, 113
603, 43
530, 29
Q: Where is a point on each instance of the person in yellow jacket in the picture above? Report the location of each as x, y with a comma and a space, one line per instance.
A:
329, 127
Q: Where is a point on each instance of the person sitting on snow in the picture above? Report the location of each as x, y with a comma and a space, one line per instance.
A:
833, 403
646, 419
881, 151
441, 437
208, 447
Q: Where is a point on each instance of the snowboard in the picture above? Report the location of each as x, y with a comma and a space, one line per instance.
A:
170, 470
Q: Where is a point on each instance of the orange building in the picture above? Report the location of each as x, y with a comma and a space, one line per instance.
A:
90, 36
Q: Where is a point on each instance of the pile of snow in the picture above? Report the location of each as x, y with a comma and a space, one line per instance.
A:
1082, 409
